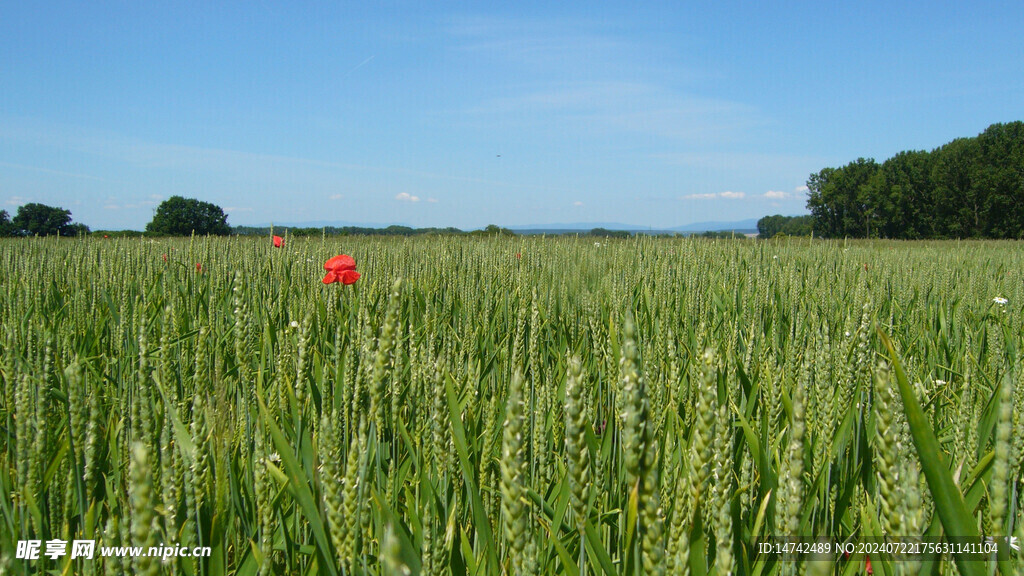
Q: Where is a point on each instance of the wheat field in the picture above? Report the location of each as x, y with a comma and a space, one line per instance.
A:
510, 405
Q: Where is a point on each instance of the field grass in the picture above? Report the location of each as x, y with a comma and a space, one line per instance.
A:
509, 405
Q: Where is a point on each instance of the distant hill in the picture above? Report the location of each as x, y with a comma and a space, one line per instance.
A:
716, 226
749, 225
576, 226
326, 224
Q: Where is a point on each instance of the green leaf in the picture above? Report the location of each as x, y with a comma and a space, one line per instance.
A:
298, 487
482, 524
596, 550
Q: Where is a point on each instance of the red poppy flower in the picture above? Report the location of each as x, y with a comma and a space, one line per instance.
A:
518, 255
344, 276
106, 236
341, 268
340, 262
278, 241
199, 267
165, 257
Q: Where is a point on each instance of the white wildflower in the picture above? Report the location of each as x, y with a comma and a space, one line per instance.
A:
294, 324
1000, 300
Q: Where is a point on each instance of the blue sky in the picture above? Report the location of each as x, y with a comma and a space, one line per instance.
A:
469, 113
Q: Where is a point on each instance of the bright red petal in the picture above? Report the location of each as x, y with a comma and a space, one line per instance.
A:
349, 276
331, 277
340, 262
278, 241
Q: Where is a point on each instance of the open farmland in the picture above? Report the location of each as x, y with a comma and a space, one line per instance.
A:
508, 405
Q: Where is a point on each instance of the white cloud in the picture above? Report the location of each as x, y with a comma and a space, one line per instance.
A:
731, 194
699, 196
17, 200
577, 203
776, 195
406, 197
336, 196
803, 189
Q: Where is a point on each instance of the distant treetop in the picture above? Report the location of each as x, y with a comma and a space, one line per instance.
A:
178, 216
35, 219
771, 226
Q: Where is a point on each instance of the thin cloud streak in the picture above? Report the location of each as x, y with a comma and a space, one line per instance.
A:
728, 195
52, 171
617, 107
159, 156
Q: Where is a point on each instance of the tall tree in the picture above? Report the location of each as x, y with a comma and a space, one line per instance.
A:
6, 226
864, 208
958, 202
178, 216
906, 182
41, 220
823, 204
1001, 176
842, 200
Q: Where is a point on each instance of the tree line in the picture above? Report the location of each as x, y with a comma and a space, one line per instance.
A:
395, 230
968, 188
779, 225
35, 219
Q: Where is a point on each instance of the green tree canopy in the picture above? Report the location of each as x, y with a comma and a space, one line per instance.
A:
968, 188
841, 200
6, 227
178, 216
36, 219
769, 226
493, 230
605, 233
